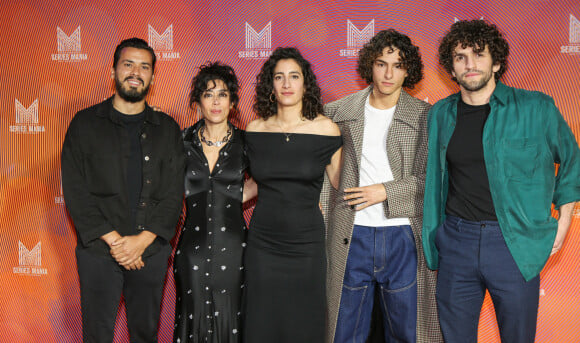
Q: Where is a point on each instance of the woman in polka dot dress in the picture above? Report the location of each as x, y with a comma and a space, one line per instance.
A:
208, 259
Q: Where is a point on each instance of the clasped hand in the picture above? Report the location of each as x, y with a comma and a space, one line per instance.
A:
128, 250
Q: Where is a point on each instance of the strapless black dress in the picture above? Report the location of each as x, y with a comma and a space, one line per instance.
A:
285, 259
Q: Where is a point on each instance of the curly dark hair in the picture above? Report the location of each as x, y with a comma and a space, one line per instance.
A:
311, 102
409, 53
137, 43
210, 72
476, 34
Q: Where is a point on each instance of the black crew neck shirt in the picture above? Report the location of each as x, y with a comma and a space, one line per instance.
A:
133, 125
469, 196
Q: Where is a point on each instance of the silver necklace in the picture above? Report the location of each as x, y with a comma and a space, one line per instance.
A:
216, 143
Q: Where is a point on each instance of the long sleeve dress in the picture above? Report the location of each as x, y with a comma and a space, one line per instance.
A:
208, 260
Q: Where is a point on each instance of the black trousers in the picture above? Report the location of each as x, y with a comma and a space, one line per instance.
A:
103, 281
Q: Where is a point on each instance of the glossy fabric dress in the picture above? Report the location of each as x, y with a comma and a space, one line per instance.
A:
208, 260
285, 259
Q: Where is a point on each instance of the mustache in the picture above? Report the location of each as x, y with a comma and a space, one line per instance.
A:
472, 71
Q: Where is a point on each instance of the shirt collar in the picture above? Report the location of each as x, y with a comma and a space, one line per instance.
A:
500, 93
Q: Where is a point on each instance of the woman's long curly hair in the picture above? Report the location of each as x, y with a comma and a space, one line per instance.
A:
409, 54
476, 34
311, 101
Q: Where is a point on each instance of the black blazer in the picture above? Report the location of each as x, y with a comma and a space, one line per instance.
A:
94, 163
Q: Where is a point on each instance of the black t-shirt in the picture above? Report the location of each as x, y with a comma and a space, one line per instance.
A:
133, 125
469, 196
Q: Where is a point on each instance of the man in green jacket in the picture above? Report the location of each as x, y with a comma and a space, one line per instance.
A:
489, 187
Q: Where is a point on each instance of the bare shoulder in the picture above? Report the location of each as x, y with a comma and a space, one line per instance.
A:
323, 125
256, 125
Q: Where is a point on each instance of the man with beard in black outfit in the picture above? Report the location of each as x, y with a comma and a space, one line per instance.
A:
122, 176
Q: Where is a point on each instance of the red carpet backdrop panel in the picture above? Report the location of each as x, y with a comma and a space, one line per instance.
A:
56, 57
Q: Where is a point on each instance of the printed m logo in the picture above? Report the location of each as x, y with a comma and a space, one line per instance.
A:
574, 30
29, 257
163, 42
70, 43
26, 115
356, 38
261, 40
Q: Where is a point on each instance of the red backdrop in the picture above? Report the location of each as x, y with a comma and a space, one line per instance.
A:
55, 60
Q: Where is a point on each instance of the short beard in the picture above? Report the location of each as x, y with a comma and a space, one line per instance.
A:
474, 87
131, 95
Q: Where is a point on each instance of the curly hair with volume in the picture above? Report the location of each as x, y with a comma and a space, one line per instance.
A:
210, 72
476, 34
311, 101
409, 54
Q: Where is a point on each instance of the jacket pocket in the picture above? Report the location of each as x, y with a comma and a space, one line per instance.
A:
520, 158
103, 174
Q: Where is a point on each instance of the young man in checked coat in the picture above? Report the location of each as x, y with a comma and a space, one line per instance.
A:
374, 219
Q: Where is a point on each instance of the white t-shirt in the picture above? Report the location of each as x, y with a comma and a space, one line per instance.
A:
374, 164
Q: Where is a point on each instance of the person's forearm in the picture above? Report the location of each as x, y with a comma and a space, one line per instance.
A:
564, 222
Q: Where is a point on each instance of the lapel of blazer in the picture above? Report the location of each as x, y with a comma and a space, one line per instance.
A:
405, 110
352, 115
405, 115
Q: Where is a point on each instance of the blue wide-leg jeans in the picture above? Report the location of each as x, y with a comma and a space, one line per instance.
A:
385, 257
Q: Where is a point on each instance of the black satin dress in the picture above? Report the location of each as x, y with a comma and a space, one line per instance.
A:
208, 260
285, 259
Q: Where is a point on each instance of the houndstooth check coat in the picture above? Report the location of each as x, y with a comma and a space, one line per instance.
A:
407, 153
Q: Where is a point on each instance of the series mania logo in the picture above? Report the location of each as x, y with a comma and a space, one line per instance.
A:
68, 47
355, 38
258, 44
29, 261
26, 119
573, 37
163, 43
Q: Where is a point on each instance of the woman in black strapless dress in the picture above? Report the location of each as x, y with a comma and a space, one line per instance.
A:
208, 259
289, 148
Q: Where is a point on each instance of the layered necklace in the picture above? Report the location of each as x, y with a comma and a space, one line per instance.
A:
224, 140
